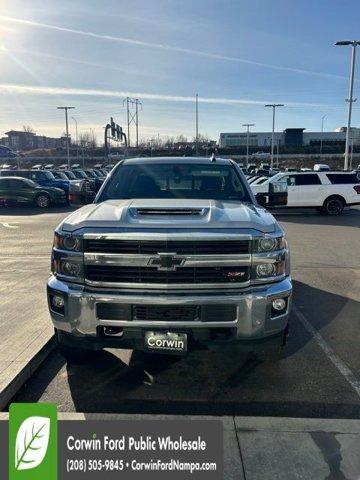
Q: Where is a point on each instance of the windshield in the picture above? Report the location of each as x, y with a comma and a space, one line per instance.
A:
80, 174
48, 175
70, 175
90, 173
198, 181
60, 175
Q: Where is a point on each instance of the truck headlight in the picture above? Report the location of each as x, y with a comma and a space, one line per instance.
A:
269, 244
68, 242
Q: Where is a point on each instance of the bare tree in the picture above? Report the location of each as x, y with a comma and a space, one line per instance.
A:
28, 129
88, 140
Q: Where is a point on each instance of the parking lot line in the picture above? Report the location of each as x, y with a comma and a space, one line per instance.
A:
7, 225
345, 371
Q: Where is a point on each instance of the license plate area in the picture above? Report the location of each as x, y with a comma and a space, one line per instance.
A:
165, 342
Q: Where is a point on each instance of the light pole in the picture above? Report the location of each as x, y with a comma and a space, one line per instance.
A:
322, 131
247, 125
196, 123
67, 132
351, 99
273, 106
76, 138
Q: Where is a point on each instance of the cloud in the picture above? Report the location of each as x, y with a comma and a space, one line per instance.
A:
167, 47
46, 90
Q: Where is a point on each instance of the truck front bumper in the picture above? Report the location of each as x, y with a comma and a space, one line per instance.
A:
253, 322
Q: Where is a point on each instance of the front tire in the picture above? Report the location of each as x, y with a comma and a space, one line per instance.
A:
334, 206
42, 200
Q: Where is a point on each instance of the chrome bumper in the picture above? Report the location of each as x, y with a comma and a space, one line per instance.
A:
253, 320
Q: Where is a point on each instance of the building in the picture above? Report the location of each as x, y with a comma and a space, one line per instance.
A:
23, 140
19, 140
290, 137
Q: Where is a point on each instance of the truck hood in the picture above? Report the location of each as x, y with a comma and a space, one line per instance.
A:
169, 214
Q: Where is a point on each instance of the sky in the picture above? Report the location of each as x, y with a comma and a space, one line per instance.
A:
237, 55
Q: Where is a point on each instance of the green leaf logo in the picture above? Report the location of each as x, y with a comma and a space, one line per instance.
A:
32, 442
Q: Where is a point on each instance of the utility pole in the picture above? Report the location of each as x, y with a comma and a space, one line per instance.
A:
76, 138
132, 118
67, 132
248, 125
322, 131
273, 106
197, 124
351, 99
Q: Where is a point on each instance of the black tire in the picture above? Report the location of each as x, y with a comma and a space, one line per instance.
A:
75, 355
334, 206
42, 200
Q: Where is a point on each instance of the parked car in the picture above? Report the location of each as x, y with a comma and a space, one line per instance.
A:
24, 191
42, 177
98, 179
329, 192
321, 167
259, 180
81, 175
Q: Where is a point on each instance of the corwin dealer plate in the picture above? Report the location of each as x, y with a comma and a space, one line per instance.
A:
166, 342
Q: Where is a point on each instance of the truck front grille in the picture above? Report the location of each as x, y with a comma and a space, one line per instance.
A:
179, 247
151, 275
166, 313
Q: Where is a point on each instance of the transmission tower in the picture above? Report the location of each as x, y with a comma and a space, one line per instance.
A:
132, 116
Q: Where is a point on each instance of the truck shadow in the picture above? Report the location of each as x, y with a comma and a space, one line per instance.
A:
226, 382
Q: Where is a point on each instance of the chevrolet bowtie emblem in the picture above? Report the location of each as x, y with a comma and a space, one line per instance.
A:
167, 261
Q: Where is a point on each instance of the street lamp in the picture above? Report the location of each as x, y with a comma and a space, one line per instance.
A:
248, 125
322, 131
67, 132
76, 138
273, 106
351, 99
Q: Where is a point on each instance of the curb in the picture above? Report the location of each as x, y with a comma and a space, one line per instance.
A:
19, 376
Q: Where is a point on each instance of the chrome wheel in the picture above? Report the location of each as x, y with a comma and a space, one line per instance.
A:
42, 201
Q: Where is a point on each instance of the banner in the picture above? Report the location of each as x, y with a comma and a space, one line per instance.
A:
36, 446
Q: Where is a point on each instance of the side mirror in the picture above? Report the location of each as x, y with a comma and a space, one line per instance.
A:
261, 199
276, 197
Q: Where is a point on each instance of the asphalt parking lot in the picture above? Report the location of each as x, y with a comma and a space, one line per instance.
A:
318, 376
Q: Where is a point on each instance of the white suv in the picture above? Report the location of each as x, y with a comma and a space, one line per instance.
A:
329, 192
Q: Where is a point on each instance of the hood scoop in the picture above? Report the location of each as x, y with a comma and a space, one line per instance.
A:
188, 212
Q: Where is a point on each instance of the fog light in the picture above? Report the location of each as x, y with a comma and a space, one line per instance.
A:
265, 270
57, 301
279, 304
71, 268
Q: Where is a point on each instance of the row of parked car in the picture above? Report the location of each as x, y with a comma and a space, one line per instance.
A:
44, 188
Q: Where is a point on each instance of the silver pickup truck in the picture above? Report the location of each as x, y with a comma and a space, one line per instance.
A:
174, 254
